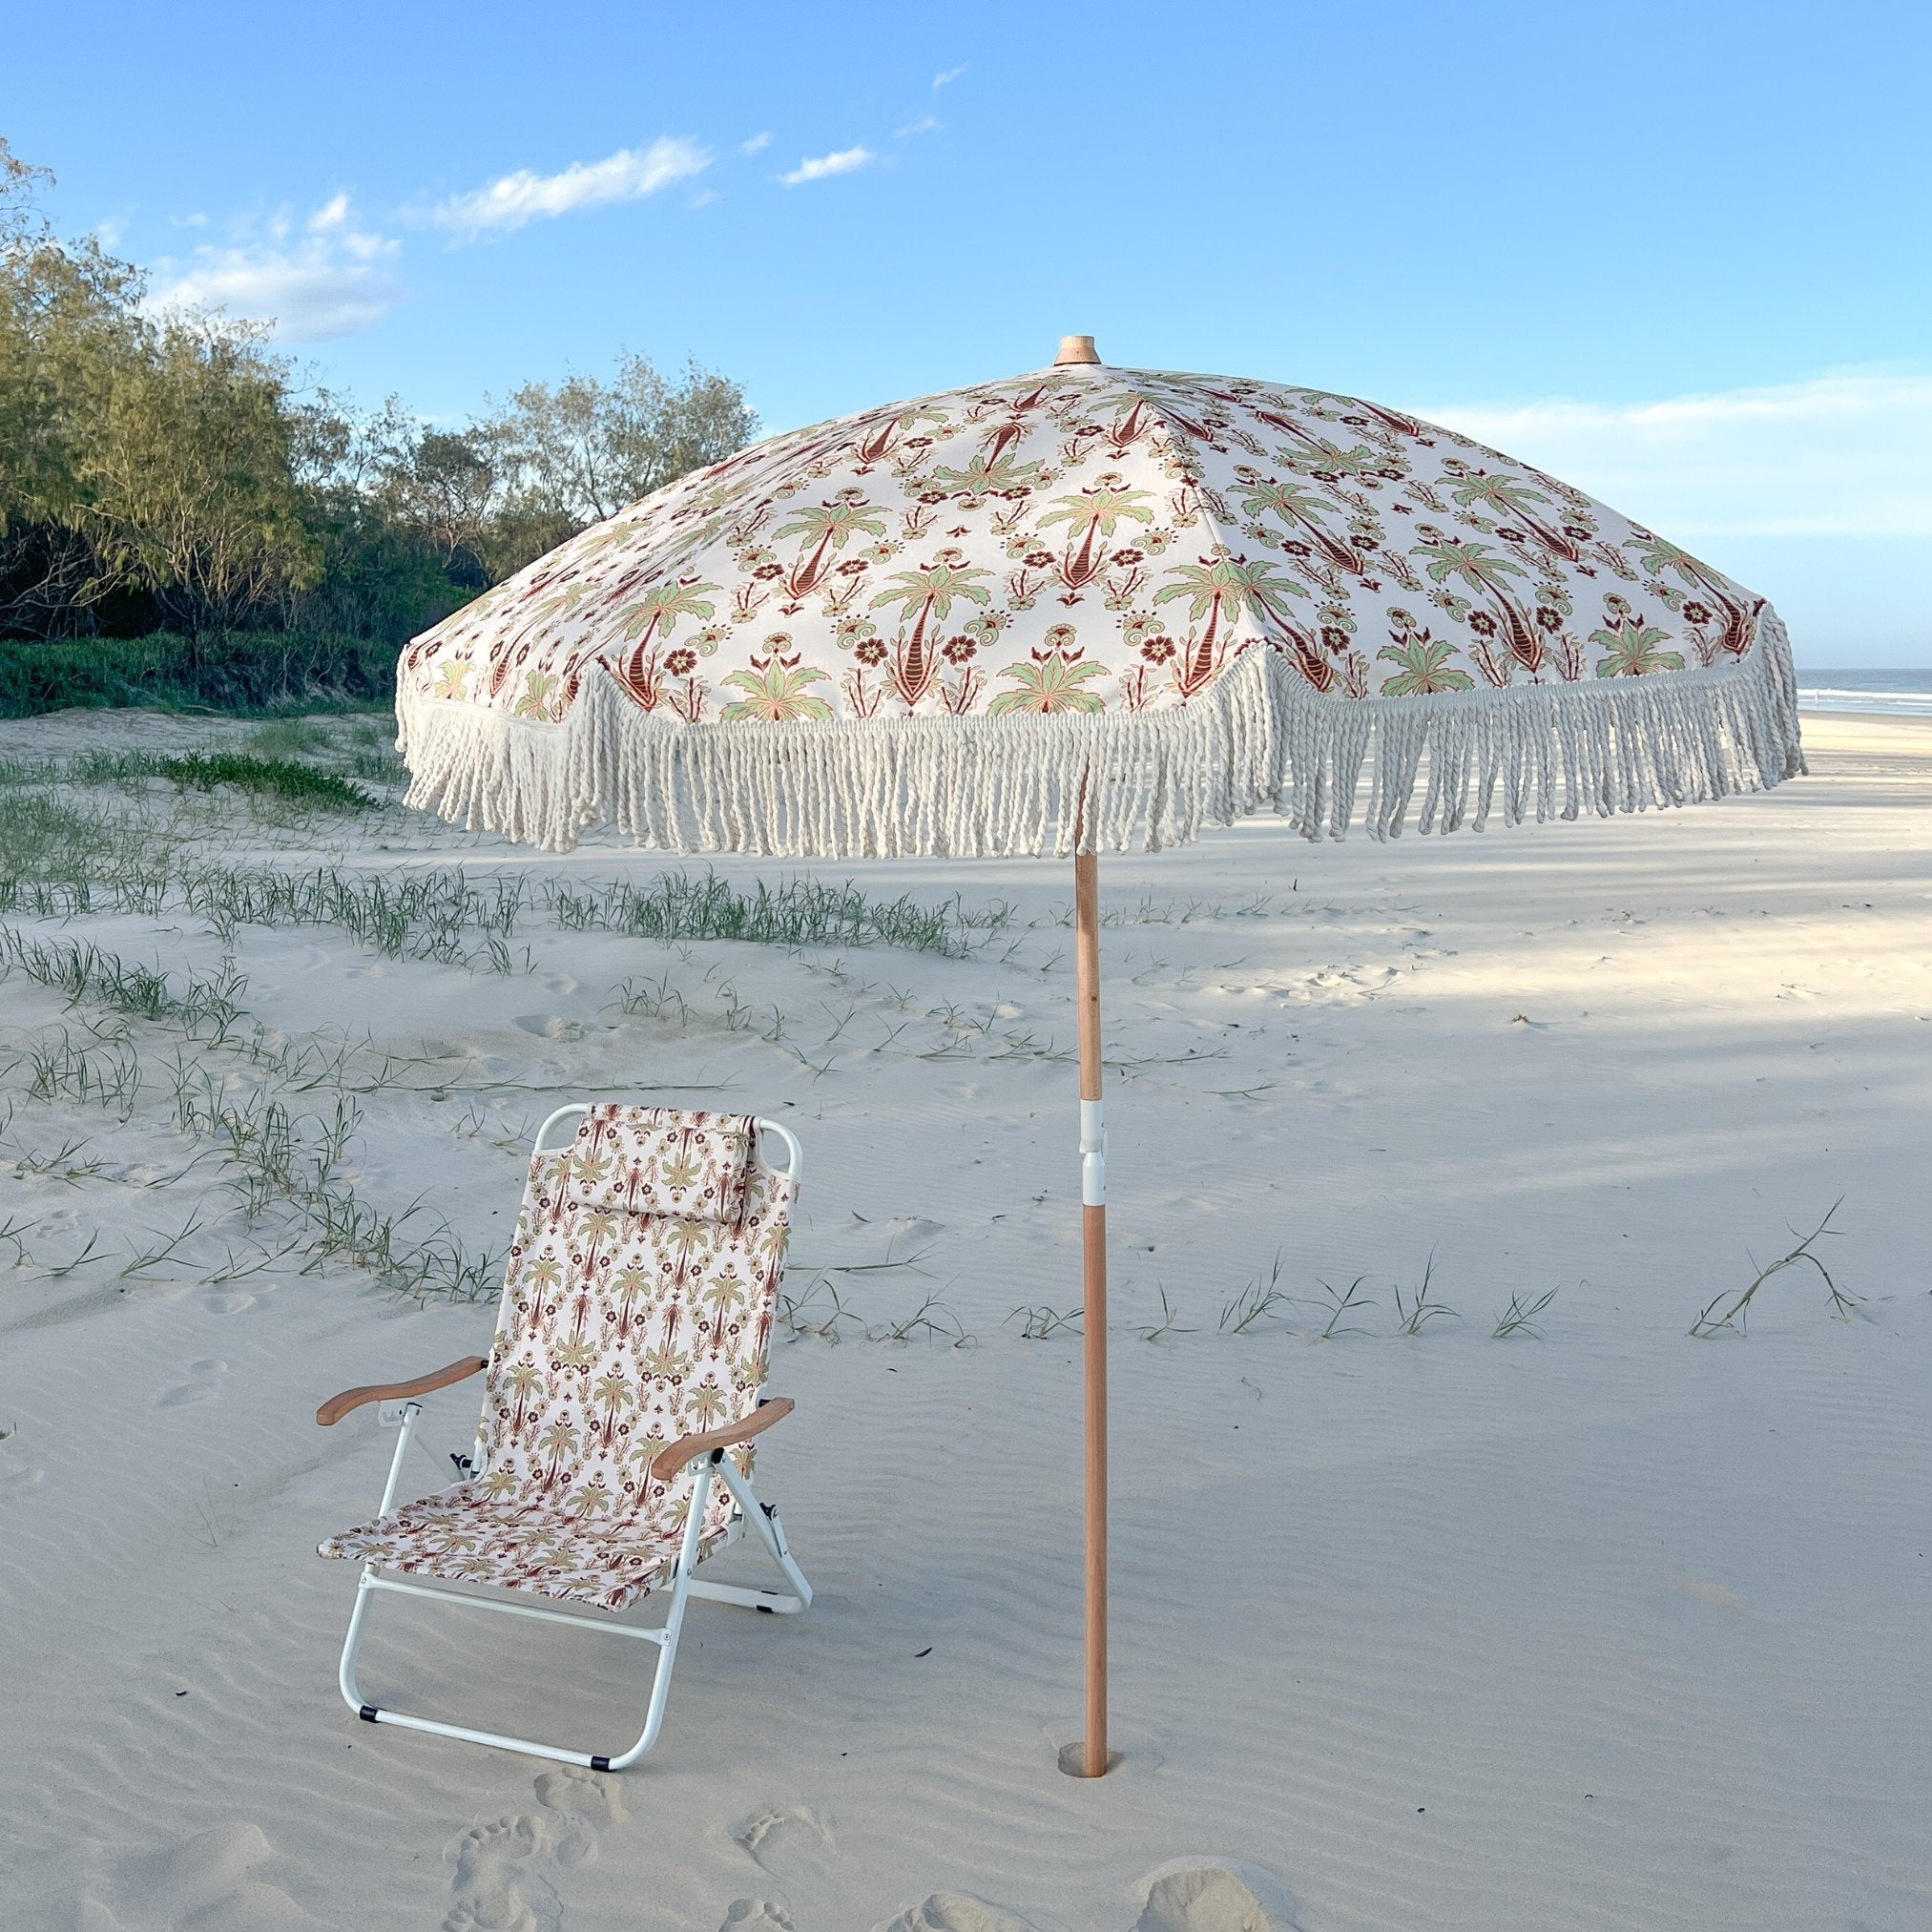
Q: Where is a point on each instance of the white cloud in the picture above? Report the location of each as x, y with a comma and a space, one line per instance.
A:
939, 80
628, 175
755, 145
1839, 455
334, 280
844, 162
924, 125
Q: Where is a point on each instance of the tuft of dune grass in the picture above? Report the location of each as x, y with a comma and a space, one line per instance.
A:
276, 777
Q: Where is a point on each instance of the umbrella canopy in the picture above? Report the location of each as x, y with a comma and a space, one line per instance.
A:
1093, 608
1090, 609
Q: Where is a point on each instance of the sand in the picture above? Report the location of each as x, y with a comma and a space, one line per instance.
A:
1601, 1627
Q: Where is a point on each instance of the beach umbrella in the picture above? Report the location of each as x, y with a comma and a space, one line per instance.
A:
1090, 610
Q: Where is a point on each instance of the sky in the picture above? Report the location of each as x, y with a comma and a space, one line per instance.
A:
1679, 253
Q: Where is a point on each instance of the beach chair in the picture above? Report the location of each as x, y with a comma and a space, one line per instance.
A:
621, 1395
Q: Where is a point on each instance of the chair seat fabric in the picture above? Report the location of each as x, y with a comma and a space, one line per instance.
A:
462, 1535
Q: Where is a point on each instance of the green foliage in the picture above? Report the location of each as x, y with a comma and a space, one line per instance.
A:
250, 672
166, 471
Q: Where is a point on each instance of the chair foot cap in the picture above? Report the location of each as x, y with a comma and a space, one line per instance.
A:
600, 1764
367, 1713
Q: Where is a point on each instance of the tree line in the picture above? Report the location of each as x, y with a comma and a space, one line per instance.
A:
167, 472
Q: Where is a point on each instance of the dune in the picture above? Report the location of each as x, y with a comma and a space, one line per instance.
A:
1588, 1623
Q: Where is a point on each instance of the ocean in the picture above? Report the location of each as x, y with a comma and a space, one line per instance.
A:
1905, 693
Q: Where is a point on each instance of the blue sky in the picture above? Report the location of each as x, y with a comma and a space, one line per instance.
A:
1678, 253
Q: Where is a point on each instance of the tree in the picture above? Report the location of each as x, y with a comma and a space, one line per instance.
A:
190, 482
168, 469
570, 456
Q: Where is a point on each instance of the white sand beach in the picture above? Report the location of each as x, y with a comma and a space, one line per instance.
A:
1594, 1626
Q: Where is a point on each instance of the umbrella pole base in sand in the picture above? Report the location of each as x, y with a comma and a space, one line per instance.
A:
1073, 1760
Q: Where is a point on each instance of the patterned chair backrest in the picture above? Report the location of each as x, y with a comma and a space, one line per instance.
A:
637, 1308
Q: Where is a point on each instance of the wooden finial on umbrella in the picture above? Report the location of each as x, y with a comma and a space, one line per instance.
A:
1076, 349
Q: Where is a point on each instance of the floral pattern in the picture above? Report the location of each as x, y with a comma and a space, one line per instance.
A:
637, 1308
1086, 540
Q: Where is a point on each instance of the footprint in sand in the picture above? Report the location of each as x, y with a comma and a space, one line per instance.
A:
756, 1914
207, 1376
790, 1844
1203, 1894
14, 1473
553, 1027
228, 1301
208, 1882
495, 1889
955, 1912
585, 1803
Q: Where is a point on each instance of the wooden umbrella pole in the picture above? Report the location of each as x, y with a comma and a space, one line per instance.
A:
1093, 1254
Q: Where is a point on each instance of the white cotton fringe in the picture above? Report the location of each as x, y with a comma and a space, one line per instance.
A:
999, 787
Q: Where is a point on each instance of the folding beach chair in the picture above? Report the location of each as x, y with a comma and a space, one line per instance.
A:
621, 1399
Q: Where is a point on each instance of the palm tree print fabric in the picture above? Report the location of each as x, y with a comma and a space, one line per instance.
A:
1086, 540
637, 1309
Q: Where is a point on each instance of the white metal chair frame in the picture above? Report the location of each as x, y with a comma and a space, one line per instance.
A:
684, 1583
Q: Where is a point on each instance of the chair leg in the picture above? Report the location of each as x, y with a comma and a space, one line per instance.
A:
666, 1640
771, 1532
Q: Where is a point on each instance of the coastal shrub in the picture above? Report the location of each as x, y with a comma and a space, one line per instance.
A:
248, 672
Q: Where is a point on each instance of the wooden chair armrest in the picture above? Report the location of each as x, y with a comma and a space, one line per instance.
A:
674, 1456
338, 1406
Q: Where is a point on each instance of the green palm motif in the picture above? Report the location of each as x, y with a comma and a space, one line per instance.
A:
525, 1381
1049, 684
535, 701
1510, 500
555, 1443
723, 1292
1466, 558
1091, 517
1228, 588
1425, 669
578, 1353
561, 603
983, 476
663, 605
1659, 556
705, 1405
1633, 650
774, 695
680, 1171
929, 592
591, 1167
826, 527
665, 1365
613, 1392
1302, 509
